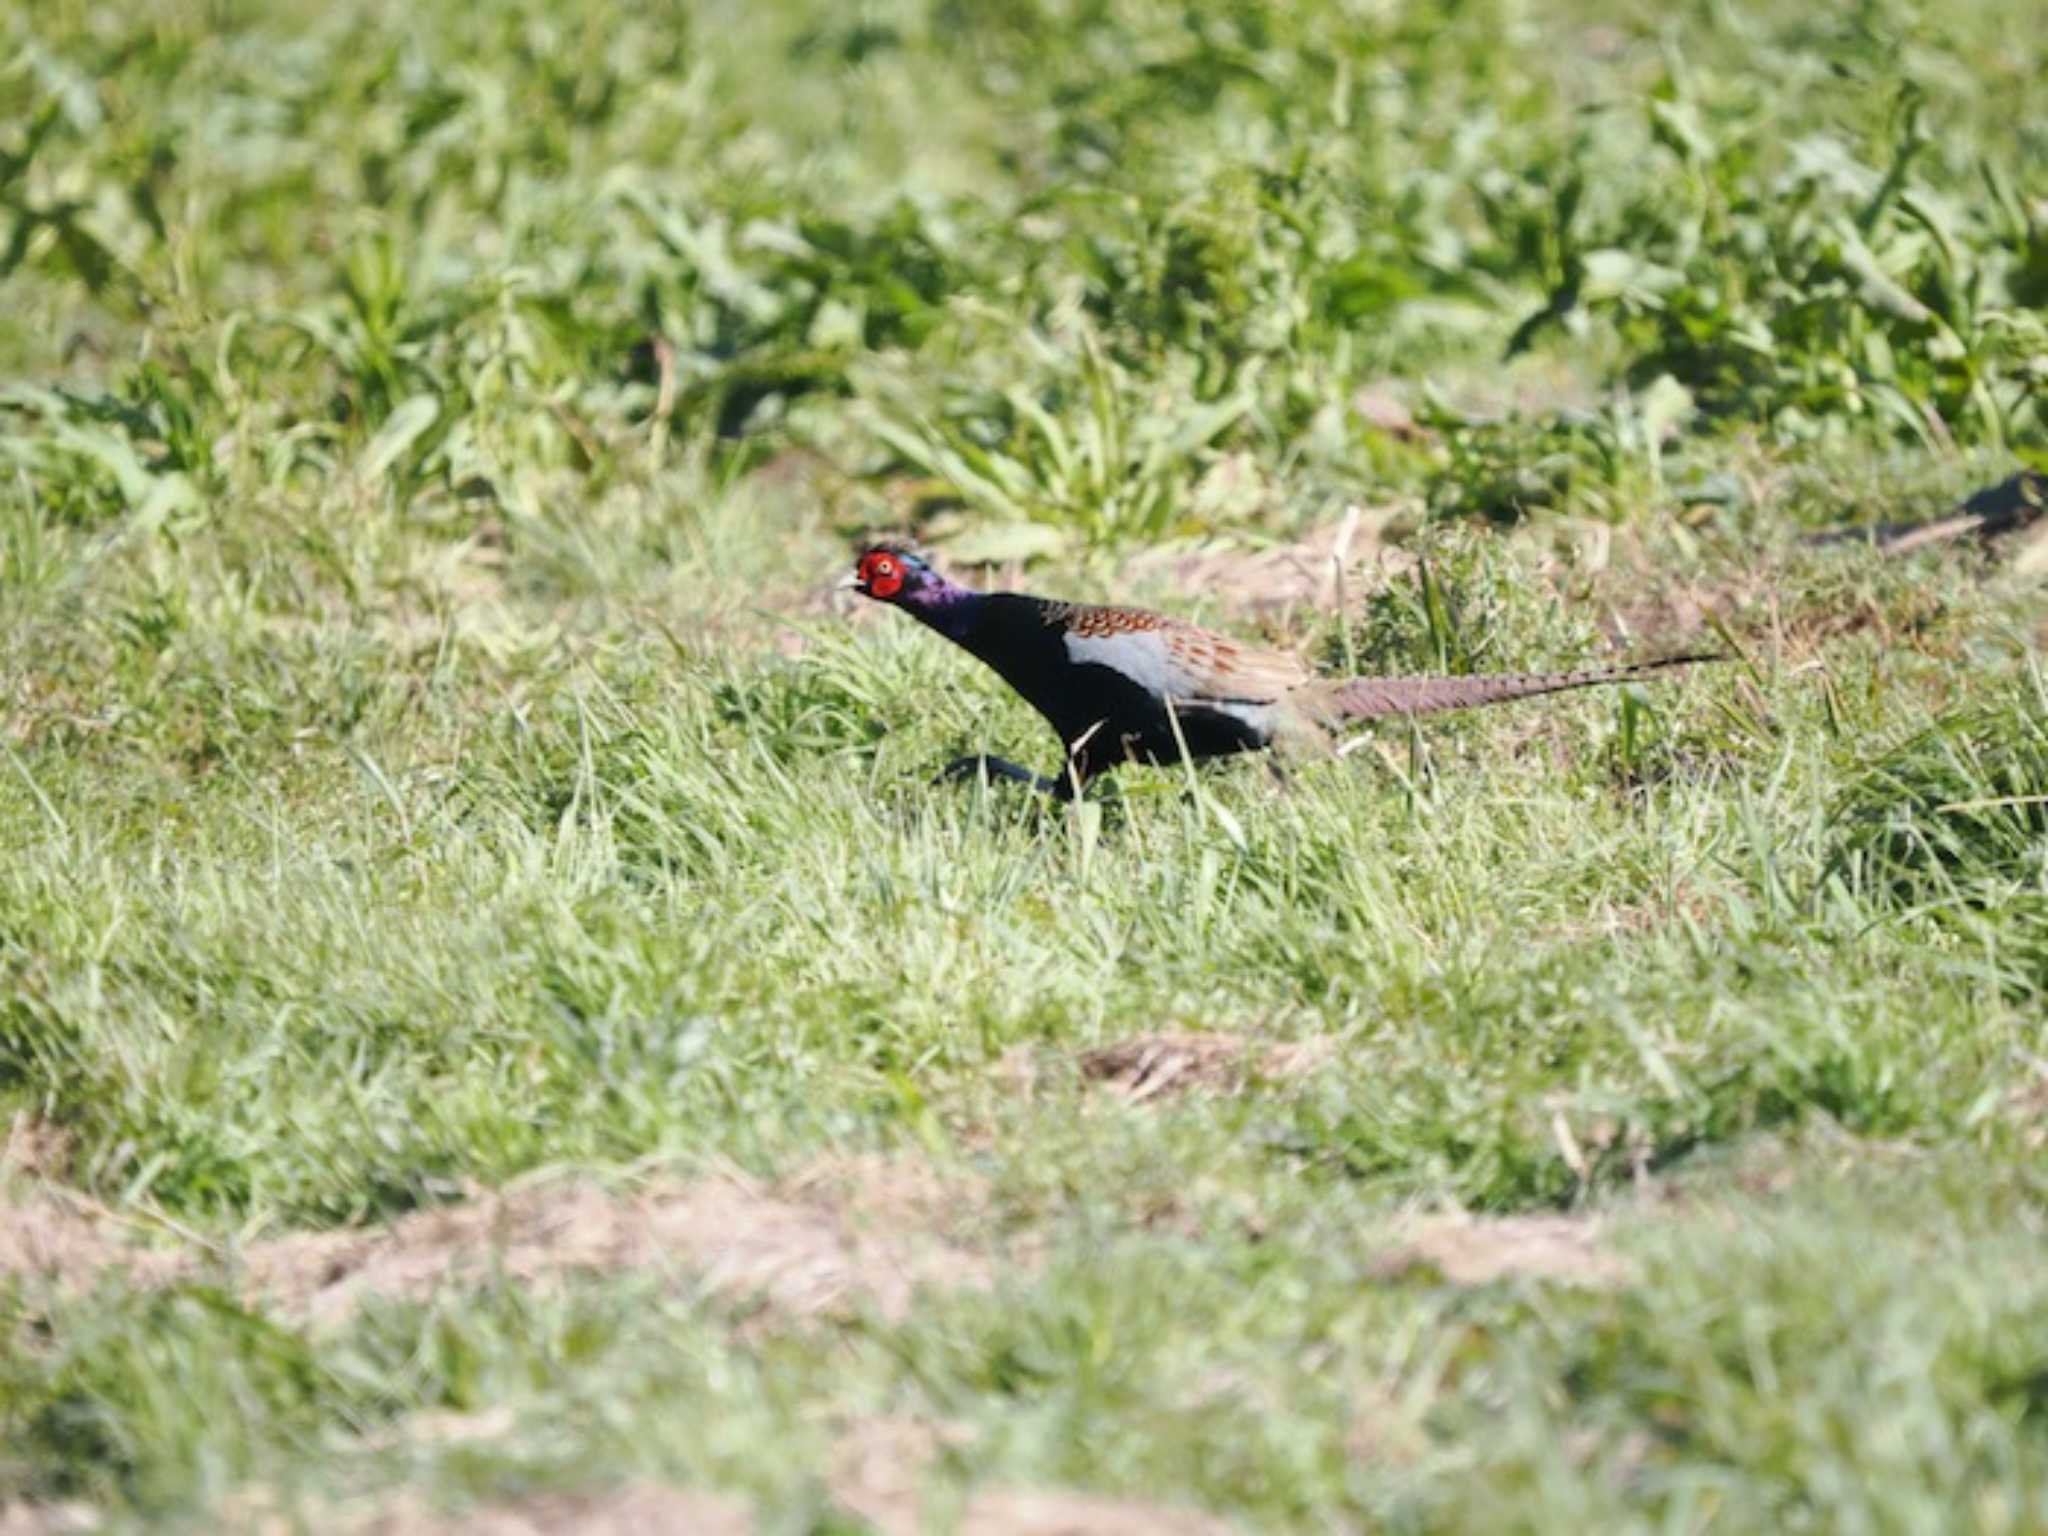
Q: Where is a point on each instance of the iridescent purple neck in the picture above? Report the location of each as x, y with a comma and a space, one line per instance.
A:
949, 608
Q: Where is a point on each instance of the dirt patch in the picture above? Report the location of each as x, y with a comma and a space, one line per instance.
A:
845, 1234
1383, 1431
879, 1469
47, 1519
440, 1428
1149, 1066
1058, 1512
1382, 407
1476, 1250
2027, 1103
647, 1510
637, 1509
1662, 614
70, 1241
1647, 602
46, 1230
36, 1149
879, 1466
811, 1247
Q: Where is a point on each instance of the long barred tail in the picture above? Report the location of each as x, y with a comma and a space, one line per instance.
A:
1369, 698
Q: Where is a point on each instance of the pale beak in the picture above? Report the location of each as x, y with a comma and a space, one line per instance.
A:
845, 582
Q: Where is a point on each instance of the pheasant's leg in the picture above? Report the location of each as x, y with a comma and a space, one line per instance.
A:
982, 765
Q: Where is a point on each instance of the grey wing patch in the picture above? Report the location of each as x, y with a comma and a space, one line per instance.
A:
1189, 666
1137, 654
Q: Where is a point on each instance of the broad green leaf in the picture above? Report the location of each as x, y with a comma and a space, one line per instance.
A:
401, 429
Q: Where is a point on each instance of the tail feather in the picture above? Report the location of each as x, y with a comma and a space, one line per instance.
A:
1370, 698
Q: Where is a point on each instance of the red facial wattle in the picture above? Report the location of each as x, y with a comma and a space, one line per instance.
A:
881, 575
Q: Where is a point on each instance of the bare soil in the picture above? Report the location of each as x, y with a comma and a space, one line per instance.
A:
880, 1469
1474, 1250
845, 1234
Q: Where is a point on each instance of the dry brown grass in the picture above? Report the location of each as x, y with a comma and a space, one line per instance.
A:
1149, 1066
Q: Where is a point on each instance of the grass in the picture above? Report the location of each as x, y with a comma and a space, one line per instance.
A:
433, 761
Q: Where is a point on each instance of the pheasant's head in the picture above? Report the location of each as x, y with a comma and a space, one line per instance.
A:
892, 575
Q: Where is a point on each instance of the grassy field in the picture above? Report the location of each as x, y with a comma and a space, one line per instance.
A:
497, 1031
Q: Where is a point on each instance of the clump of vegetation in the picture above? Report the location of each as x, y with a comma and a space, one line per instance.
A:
1960, 810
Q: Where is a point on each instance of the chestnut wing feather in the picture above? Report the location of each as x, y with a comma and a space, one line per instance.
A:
1180, 661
